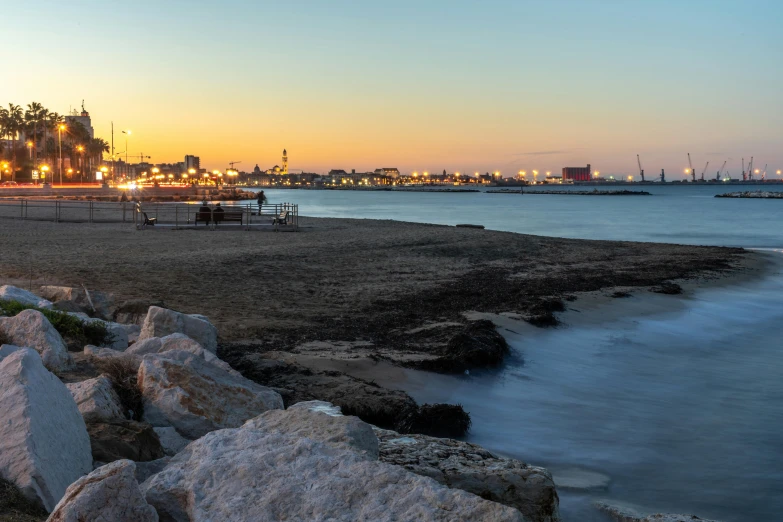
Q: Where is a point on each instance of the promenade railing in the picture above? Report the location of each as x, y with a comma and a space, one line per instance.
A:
167, 215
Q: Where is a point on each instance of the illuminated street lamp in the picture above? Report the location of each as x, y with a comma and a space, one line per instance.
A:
60, 129
30, 146
44, 169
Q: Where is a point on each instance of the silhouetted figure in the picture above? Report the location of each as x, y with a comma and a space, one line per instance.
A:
217, 214
204, 213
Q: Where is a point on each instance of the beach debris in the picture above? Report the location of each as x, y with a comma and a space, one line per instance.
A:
44, 445
111, 492
96, 399
171, 441
124, 439
469, 467
161, 322
182, 390
13, 293
332, 475
465, 225
32, 329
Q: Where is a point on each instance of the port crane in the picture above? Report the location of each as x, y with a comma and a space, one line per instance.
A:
705, 170
641, 170
717, 176
750, 169
764, 174
693, 172
232, 163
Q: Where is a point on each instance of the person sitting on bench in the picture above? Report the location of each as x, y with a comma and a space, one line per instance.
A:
204, 213
217, 214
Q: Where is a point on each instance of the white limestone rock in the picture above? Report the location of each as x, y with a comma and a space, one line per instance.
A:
108, 494
32, 329
97, 303
117, 331
44, 445
171, 441
96, 399
161, 322
179, 342
132, 331
272, 475
13, 293
182, 390
315, 420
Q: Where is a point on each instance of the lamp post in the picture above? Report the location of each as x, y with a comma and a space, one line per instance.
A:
60, 129
30, 146
80, 148
44, 170
126, 133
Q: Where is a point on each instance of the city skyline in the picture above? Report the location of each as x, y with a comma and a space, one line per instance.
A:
507, 86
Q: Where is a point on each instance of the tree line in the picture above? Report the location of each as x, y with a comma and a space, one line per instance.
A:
41, 129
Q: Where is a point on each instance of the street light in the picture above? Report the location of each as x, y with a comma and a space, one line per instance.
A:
126, 133
60, 129
30, 146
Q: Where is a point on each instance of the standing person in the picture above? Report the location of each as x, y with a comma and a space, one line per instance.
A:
261, 201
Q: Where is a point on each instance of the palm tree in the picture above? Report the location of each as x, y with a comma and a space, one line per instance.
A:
34, 116
53, 119
12, 122
95, 149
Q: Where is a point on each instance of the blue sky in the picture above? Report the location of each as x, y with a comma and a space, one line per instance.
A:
419, 85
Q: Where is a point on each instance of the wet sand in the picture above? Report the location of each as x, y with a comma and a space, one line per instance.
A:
390, 285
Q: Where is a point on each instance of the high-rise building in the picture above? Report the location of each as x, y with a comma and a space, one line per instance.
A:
192, 162
285, 162
83, 118
577, 173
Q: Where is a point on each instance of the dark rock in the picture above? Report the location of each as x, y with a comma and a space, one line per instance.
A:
620, 295
478, 345
437, 420
668, 289
15, 507
124, 439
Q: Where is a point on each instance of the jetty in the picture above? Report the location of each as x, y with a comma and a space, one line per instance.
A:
757, 194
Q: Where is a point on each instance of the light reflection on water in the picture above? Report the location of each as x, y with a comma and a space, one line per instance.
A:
677, 400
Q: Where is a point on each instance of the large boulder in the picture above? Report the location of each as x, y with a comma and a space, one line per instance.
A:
96, 399
181, 342
321, 421
118, 333
32, 329
13, 293
108, 494
478, 345
182, 390
124, 439
44, 445
469, 467
161, 322
99, 304
280, 476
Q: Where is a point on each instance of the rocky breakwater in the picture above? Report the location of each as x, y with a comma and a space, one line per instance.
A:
163, 429
757, 194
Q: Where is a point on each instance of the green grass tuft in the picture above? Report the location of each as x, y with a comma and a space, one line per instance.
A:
75, 332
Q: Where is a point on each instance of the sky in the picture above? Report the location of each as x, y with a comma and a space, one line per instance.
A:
419, 85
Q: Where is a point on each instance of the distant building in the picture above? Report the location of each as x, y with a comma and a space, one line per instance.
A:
577, 173
337, 172
192, 162
388, 172
83, 118
284, 169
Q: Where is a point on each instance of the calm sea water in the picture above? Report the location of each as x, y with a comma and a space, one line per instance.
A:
678, 401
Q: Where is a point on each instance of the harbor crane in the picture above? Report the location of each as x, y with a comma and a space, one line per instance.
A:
693, 172
641, 170
232, 163
717, 176
750, 169
705, 170
663, 176
764, 174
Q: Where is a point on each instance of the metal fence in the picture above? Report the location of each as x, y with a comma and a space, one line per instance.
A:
279, 216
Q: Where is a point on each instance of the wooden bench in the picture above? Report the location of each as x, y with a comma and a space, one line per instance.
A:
281, 219
204, 216
228, 215
148, 220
